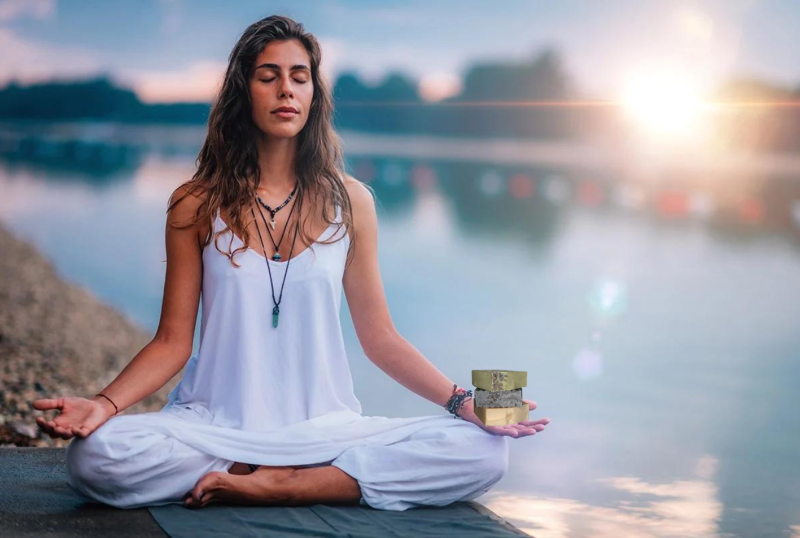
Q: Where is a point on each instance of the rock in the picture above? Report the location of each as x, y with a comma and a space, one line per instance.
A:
25, 429
498, 398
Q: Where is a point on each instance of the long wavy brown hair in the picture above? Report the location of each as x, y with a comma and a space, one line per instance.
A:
227, 166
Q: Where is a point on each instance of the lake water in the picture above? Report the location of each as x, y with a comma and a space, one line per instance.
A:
665, 352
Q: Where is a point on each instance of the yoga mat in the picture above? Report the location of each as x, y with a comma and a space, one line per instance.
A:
459, 519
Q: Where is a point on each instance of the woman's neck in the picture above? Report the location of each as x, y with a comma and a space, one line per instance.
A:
276, 164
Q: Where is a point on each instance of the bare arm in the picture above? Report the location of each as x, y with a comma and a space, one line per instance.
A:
162, 358
381, 342
366, 299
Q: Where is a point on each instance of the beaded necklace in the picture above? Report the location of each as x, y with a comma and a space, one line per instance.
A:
276, 308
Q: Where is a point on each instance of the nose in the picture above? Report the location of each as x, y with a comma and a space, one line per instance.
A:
286, 87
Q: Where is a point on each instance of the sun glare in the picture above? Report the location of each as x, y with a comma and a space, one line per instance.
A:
664, 105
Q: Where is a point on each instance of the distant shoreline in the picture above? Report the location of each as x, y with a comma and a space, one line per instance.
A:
56, 339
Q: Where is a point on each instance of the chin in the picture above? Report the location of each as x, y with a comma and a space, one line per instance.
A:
286, 131
283, 133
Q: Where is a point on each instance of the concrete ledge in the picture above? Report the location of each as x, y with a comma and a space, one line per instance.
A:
35, 501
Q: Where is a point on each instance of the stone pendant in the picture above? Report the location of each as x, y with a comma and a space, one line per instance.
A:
275, 312
276, 256
272, 223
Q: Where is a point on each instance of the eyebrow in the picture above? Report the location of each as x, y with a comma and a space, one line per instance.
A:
276, 67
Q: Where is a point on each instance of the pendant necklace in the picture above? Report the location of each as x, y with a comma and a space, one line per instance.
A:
273, 211
276, 309
277, 256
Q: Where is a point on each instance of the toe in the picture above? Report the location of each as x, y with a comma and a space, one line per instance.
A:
208, 483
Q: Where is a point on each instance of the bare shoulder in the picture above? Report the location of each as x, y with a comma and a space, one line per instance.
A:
182, 208
361, 199
186, 202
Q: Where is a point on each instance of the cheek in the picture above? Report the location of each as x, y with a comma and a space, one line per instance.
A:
258, 95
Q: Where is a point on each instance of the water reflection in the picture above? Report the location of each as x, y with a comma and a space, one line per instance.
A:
689, 508
657, 320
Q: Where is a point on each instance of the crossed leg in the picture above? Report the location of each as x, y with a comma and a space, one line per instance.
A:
127, 465
275, 486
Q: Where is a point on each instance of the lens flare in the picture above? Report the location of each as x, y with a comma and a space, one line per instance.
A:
664, 104
587, 364
608, 298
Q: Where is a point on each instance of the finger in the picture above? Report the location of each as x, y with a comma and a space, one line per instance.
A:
531, 404
525, 424
527, 430
48, 430
537, 427
528, 427
511, 432
47, 403
42, 423
543, 421
42, 403
63, 432
49, 426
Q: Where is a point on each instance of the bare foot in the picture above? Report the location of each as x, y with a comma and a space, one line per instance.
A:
261, 488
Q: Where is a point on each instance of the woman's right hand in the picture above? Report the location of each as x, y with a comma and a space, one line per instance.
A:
523, 428
78, 416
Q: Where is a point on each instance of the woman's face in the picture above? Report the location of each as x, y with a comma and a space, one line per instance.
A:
282, 78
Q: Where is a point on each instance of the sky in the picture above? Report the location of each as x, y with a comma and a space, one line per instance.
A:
177, 50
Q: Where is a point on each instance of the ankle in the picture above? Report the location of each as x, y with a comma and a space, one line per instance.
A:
239, 469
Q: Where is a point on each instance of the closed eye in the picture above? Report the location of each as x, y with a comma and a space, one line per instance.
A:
271, 79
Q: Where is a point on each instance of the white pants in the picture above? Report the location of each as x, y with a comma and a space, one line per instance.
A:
451, 460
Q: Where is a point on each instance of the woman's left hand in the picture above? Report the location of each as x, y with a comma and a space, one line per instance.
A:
522, 428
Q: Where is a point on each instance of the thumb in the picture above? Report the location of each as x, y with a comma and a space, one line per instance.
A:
47, 403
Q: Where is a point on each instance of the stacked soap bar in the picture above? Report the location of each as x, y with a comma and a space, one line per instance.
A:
498, 396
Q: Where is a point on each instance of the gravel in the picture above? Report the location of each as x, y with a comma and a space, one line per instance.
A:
56, 339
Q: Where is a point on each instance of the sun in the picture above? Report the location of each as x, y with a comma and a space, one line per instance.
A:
664, 104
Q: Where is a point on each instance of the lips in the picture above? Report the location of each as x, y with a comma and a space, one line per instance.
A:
285, 109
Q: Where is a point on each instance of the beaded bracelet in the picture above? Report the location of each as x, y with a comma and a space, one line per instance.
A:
458, 399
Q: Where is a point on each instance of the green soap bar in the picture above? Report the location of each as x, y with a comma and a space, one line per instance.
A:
499, 379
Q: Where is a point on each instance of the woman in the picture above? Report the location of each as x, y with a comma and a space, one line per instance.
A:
265, 414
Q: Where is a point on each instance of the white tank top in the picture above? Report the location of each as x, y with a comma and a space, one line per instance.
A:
250, 375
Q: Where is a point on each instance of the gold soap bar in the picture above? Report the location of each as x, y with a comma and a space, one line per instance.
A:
502, 416
499, 379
